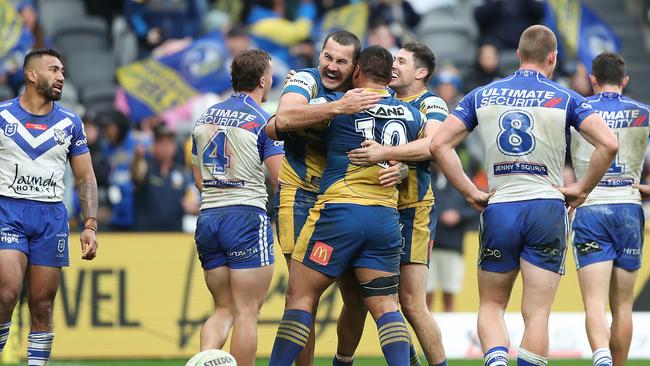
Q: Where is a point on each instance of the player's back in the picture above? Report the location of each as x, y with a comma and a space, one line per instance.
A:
628, 119
304, 158
522, 121
390, 122
34, 150
416, 189
229, 146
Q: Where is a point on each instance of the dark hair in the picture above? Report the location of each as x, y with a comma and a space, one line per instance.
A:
608, 68
38, 53
247, 68
423, 57
536, 43
376, 63
345, 38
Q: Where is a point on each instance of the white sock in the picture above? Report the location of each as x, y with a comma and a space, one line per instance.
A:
602, 357
530, 357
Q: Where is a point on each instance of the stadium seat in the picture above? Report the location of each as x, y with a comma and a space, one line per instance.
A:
99, 98
508, 62
125, 43
53, 12
90, 68
87, 33
450, 42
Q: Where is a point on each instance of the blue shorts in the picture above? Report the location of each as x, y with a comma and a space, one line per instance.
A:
338, 236
609, 233
291, 213
418, 231
38, 229
534, 230
235, 236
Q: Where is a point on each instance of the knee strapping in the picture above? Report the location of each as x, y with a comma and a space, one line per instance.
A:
381, 286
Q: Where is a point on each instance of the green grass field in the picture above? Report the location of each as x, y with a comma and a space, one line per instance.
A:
319, 362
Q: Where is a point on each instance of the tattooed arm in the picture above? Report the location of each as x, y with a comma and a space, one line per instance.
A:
87, 190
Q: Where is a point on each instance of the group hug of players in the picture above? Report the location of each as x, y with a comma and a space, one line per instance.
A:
350, 211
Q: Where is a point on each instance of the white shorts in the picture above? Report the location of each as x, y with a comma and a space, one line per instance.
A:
446, 271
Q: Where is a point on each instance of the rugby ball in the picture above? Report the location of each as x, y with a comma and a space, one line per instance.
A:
212, 357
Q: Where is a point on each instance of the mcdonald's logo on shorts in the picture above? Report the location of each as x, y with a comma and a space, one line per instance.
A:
321, 253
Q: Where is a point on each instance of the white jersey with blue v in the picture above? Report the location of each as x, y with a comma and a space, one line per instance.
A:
628, 119
522, 121
34, 151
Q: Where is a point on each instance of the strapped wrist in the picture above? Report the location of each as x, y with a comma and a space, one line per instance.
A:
90, 223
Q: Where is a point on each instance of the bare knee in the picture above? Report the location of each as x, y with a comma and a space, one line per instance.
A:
41, 314
413, 305
9, 296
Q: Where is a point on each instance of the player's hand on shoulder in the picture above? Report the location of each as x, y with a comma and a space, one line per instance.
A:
393, 174
370, 152
356, 100
574, 196
644, 189
89, 244
479, 199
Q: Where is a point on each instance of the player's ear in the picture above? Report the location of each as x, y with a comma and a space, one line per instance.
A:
262, 82
30, 74
593, 80
421, 73
626, 79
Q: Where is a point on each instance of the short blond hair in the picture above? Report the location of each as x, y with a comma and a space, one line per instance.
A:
536, 43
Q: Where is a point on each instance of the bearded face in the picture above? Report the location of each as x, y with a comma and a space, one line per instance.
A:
51, 90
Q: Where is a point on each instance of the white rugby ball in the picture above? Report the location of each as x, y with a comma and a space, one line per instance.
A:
212, 357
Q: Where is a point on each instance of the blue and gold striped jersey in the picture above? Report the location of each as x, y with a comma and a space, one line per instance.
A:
416, 191
304, 159
390, 122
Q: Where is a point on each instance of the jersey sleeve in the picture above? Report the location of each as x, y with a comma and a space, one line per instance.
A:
434, 108
302, 83
79, 143
578, 109
423, 121
268, 147
466, 111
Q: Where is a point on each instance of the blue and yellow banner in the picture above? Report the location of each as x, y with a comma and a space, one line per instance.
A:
16, 39
581, 33
156, 85
353, 18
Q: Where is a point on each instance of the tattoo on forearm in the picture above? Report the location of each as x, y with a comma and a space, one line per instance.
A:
87, 191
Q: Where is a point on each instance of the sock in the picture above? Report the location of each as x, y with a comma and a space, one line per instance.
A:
394, 338
342, 360
4, 335
291, 337
527, 358
602, 357
443, 363
39, 346
496, 356
415, 360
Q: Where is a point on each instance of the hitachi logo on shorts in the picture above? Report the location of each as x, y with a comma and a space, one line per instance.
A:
491, 254
587, 248
632, 251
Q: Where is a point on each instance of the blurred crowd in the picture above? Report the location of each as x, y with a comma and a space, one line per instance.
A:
142, 159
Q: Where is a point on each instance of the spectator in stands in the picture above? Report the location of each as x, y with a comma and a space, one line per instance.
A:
447, 85
447, 266
237, 40
29, 15
161, 185
397, 14
380, 34
118, 149
485, 70
579, 81
501, 22
155, 21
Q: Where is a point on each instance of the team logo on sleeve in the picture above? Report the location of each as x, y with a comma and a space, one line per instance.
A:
59, 136
11, 128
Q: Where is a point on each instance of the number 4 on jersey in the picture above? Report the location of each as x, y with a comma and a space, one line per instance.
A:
214, 154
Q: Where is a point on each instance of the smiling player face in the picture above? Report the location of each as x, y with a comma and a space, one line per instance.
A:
49, 77
335, 65
404, 70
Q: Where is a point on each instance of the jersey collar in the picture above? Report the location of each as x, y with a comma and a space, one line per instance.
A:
529, 73
610, 95
413, 97
383, 92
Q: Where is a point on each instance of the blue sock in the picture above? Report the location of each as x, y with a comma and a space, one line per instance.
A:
291, 337
394, 338
443, 363
342, 360
602, 357
39, 346
497, 356
527, 358
4, 335
413, 354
